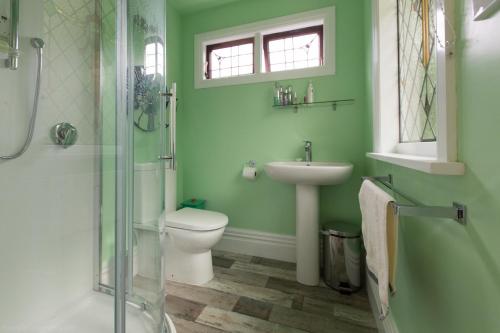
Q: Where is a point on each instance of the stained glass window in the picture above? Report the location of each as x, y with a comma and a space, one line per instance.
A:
233, 58
417, 70
302, 48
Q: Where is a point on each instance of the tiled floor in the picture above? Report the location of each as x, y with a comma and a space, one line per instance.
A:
251, 294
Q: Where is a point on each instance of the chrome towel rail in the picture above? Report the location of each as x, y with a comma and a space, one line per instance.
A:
455, 212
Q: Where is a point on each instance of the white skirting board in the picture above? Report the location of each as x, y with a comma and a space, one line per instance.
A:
257, 243
388, 325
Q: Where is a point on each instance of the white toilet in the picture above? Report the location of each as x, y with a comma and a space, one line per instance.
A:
192, 233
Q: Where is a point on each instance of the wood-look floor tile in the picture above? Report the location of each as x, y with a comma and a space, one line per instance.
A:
214, 298
290, 266
318, 306
265, 270
246, 291
230, 255
355, 315
301, 320
252, 279
238, 323
312, 322
222, 262
185, 326
327, 294
298, 302
257, 293
253, 308
183, 308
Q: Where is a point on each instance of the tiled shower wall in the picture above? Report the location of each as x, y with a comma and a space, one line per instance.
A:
48, 201
71, 71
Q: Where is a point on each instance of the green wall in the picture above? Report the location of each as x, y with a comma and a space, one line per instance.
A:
448, 274
222, 128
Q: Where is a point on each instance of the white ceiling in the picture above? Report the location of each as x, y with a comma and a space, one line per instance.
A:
191, 6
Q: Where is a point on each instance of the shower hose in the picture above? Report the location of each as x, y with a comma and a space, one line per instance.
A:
38, 44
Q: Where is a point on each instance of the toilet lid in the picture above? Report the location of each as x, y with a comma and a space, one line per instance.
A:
195, 219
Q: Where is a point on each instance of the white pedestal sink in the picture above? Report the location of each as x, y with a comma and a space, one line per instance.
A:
308, 178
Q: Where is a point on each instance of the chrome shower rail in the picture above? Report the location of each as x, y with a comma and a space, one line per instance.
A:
13, 61
455, 212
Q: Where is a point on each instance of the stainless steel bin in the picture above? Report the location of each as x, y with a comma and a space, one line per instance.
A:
342, 256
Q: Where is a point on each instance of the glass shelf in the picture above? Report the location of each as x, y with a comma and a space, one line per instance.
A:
333, 104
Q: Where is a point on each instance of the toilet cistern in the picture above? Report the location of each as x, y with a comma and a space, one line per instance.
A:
308, 149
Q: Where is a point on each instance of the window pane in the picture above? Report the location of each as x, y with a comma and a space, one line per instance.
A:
229, 58
244, 70
225, 72
276, 45
294, 49
277, 58
225, 62
246, 59
417, 74
246, 49
278, 67
214, 61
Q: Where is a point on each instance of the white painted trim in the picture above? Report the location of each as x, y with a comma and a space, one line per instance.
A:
420, 163
385, 76
257, 243
325, 16
425, 149
388, 325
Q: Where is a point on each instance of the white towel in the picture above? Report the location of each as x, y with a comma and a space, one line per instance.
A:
380, 238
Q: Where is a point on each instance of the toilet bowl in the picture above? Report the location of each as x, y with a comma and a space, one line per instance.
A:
191, 235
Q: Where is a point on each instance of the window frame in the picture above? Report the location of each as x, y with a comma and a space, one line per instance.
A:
237, 42
266, 39
323, 16
440, 156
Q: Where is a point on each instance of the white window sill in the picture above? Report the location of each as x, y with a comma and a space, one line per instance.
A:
424, 164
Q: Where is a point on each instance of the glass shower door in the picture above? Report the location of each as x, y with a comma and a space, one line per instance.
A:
132, 192
146, 105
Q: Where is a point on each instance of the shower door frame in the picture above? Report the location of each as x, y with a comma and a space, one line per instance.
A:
124, 181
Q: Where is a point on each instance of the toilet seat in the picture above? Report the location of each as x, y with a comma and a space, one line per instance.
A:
195, 220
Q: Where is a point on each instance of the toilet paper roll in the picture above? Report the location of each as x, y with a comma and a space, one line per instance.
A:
249, 173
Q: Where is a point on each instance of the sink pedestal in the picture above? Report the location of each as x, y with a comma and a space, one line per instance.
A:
308, 177
307, 234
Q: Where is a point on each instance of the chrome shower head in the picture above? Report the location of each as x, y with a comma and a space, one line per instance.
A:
37, 43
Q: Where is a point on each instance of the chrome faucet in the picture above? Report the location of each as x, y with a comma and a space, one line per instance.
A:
308, 149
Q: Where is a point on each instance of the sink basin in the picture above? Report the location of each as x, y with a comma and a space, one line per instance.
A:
316, 173
307, 179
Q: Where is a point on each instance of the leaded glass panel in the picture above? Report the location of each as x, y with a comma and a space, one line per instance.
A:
417, 70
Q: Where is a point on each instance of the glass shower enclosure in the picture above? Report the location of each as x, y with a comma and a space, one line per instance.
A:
80, 246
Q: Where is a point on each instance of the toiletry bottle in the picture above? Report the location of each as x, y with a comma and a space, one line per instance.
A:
285, 97
310, 93
277, 94
295, 98
282, 97
290, 95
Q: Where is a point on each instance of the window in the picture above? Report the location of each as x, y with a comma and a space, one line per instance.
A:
301, 48
283, 48
414, 95
417, 71
153, 56
233, 58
